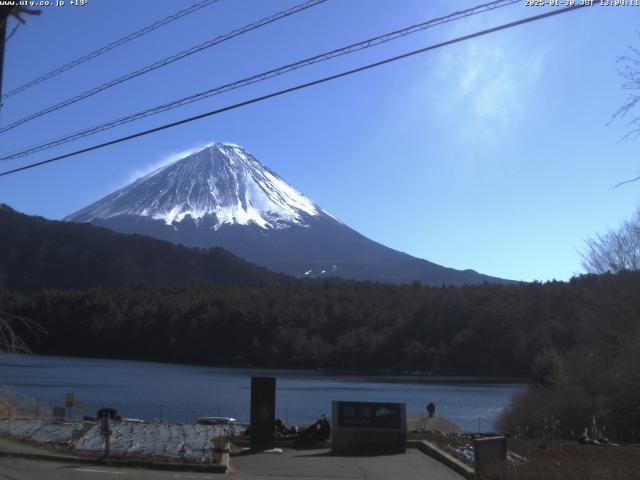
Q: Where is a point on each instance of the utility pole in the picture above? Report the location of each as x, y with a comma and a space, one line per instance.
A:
5, 12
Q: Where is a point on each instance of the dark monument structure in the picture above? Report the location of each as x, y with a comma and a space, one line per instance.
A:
263, 410
368, 427
487, 452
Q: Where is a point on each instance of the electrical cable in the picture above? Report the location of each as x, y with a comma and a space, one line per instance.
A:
164, 62
298, 87
371, 42
13, 31
121, 41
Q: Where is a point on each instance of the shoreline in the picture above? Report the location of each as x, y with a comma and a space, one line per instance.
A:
398, 376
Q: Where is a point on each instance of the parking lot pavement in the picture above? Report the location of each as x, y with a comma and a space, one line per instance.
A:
24, 469
321, 464
299, 464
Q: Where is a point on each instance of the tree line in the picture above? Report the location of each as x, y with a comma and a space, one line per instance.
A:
484, 330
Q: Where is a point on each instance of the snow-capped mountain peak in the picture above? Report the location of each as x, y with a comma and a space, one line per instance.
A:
222, 196
221, 179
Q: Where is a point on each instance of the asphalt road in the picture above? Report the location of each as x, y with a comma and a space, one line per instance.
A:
21, 469
316, 464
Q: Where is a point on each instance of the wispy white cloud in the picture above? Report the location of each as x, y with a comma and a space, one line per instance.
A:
489, 86
480, 91
164, 161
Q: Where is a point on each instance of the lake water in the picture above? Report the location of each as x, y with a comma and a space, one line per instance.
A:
184, 392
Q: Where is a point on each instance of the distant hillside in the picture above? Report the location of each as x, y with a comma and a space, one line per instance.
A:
39, 253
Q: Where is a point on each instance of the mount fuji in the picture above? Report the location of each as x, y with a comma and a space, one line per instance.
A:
222, 196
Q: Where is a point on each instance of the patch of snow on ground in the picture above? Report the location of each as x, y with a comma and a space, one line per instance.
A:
191, 442
41, 430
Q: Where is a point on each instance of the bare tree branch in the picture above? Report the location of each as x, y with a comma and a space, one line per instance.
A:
631, 180
629, 71
615, 251
9, 340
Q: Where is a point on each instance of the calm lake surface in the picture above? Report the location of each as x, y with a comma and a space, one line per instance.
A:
184, 392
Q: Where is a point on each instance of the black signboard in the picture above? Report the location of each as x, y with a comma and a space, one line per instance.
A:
370, 415
104, 415
111, 413
263, 409
58, 412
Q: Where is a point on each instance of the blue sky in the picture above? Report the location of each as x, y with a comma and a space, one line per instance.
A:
492, 154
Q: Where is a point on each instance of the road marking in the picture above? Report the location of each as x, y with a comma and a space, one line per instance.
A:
114, 472
91, 470
177, 475
189, 476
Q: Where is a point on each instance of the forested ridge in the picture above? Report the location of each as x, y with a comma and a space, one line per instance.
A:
37, 253
485, 330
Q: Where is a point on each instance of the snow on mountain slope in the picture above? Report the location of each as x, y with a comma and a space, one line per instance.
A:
222, 180
222, 196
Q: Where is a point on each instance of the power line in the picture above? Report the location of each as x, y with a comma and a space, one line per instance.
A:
162, 63
13, 31
371, 42
297, 87
115, 44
